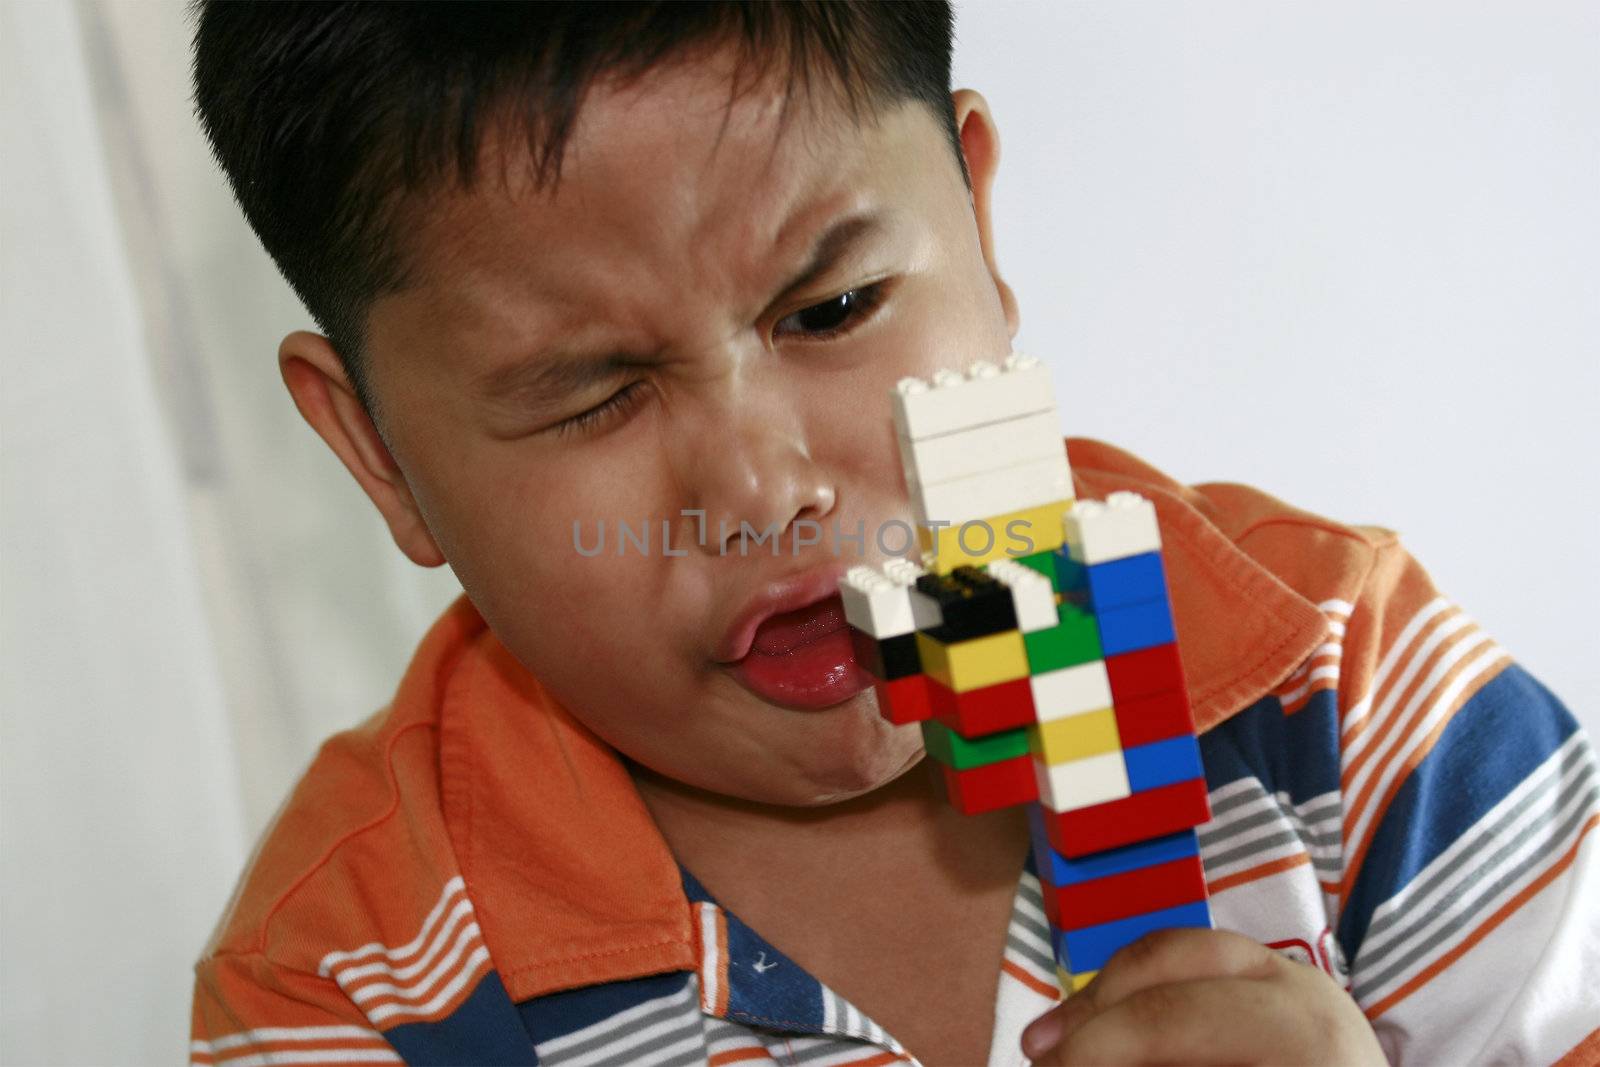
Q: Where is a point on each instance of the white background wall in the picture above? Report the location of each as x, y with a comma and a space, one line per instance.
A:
1349, 253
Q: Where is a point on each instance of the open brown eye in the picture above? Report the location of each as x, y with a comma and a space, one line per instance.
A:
829, 315
835, 315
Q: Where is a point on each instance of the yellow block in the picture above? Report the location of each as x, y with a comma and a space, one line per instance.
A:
975, 663
1071, 983
1075, 737
1010, 532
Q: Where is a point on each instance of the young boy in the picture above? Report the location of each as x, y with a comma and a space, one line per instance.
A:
660, 265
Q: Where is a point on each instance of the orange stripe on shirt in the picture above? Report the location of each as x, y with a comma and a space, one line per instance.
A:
1585, 1053
877, 1060
1358, 854
1501, 915
1262, 870
1044, 989
722, 964
738, 1055
1382, 728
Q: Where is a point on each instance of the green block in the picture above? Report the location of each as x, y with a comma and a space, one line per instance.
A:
953, 750
1075, 640
1044, 563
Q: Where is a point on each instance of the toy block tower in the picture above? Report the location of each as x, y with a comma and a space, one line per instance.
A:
1036, 649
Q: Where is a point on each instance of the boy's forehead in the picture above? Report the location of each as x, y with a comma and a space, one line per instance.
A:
669, 172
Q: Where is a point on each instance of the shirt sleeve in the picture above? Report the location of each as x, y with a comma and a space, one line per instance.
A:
1468, 901
249, 1011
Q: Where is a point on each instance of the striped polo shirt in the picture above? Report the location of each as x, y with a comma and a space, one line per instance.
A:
1394, 801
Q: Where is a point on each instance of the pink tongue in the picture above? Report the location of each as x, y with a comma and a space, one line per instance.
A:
784, 633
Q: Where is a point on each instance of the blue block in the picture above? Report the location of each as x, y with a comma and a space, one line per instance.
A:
1088, 949
1177, 759
1056, 869
1072, 578
1131, 580
1135, 626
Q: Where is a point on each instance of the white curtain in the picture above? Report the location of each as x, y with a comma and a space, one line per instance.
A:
180, 558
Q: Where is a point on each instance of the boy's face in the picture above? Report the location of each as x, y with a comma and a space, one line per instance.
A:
706, 314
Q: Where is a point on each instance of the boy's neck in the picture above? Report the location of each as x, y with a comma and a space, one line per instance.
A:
905, 824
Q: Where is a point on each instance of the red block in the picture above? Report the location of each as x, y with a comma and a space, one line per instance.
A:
904, 699
1158, 717
979, 712
1145, 672
1121, 896
991, 786
1122, 822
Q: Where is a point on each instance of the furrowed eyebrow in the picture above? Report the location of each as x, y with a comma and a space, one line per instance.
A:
562, 375
834, 244
552, 378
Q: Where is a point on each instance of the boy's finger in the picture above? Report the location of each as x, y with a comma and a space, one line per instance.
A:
1229, 1020
1156, 959
1169, 956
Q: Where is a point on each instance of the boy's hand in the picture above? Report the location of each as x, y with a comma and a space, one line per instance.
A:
1204, 996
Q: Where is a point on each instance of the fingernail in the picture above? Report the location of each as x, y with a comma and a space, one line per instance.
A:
1042, 1035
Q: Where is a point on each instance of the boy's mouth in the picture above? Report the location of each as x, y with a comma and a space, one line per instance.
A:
791, 646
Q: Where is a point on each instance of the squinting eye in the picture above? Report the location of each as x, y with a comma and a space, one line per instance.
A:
833, 316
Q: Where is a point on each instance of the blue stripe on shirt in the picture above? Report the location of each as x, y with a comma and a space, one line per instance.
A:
1500, 736
1296, 754
485, 1029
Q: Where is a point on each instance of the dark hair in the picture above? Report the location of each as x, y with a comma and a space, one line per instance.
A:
328, 117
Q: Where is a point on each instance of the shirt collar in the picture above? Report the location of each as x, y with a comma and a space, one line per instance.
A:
571, 880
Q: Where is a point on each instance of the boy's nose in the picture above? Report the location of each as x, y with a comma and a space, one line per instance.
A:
752, 474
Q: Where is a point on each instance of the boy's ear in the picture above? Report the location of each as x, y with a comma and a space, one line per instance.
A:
980, 144
316, 379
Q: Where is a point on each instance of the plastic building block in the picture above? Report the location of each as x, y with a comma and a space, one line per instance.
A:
1058, 870
1177, 759
990, 787
1135, 626
995, 492
984, 394
1043, 561
1070, 690
1033, 598
1071, 983
887, 658
1132, 580
904, 700
1013, 534
1126, 894
1074, 640
953, 750
1081, 783
1138, 817
1141, 720
1006, 706
1124, 525
883, 603
974, 663
971, 604
1143, 673
1089, 948
1076, 737
984, 448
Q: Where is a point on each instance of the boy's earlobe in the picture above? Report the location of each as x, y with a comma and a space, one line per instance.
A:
322, 392
980, 147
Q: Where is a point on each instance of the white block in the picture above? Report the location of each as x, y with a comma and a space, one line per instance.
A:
985, 394
1081, 783
925, 611
1124, 525
986, 448
994, 493
876, 605
1032, 596
1071, 691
